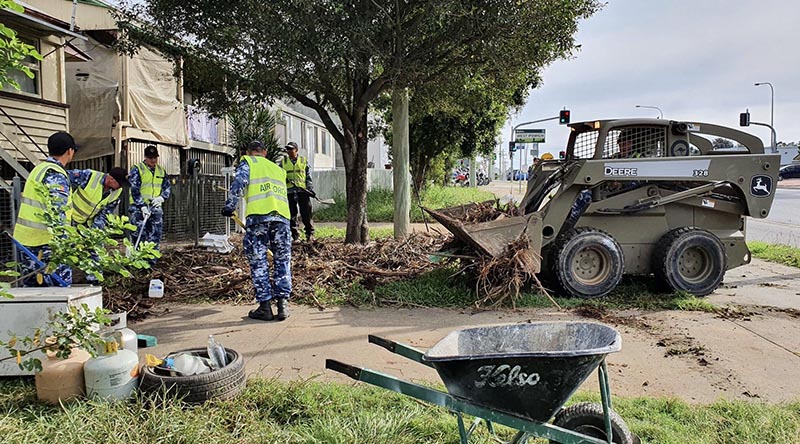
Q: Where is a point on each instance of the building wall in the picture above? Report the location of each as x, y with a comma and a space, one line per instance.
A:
40, 115
313, 139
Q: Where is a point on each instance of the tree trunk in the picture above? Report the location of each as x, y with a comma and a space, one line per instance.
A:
400, 164
355, 164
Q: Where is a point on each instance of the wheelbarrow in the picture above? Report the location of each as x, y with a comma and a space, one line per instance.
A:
517, 375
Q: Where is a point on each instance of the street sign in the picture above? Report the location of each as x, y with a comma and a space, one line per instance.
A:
529, 136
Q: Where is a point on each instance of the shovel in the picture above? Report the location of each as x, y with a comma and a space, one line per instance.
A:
139, 238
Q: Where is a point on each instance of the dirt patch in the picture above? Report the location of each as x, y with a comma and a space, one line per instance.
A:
603, 314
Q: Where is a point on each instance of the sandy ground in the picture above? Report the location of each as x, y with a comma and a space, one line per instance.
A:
752, 351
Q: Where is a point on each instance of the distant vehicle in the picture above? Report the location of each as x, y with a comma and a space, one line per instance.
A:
517, 175
789, 172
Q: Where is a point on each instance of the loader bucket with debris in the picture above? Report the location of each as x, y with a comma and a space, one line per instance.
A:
491, 234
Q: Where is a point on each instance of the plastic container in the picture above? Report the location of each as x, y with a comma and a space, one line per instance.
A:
61, 379
216, 352
186, 364
112, 375
156, 289
126, 338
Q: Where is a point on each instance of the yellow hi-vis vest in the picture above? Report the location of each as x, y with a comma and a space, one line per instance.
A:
266, 192
151, 183
30, 229
87, 202
295, 172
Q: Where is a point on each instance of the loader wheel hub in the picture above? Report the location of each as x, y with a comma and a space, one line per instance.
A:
695, 264
591, 266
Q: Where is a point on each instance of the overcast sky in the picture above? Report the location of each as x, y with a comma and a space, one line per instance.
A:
696, 60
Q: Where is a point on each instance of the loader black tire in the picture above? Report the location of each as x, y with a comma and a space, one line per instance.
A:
690, 259
587, 263
587, 418
225, 383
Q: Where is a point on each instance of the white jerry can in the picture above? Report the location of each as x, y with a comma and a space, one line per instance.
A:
114, 374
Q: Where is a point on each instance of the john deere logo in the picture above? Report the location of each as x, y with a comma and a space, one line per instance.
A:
761, 186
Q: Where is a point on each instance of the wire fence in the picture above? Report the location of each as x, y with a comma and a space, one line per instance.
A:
194, 208
8, 216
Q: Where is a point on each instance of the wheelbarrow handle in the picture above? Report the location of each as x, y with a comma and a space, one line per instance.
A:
400, 349
345, 369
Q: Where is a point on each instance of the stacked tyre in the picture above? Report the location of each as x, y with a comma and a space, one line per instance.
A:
225, 383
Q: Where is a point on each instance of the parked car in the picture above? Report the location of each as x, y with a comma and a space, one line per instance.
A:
789, 171
517, 175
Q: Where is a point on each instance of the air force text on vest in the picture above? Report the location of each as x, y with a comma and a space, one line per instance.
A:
268, 187
615, 171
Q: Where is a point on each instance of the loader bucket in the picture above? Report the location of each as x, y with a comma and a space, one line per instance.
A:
493, 237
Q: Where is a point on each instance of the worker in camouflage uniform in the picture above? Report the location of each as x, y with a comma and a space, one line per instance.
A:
31, 229
96, 196
149, 189
301, 190
263, 184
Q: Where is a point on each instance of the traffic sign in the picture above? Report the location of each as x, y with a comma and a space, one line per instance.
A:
529, 136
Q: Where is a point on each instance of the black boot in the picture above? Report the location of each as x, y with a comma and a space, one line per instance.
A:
263, 312
283, 308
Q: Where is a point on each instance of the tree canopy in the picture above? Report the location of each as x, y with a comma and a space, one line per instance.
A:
337, 56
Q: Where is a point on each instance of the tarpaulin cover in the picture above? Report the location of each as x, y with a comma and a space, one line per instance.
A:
154, 105
202, 126
93, 96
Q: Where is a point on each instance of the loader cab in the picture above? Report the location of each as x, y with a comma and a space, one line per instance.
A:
655, 138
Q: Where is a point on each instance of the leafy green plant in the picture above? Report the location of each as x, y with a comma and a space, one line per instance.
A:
74, 328
13, 51
254, 122
90, 249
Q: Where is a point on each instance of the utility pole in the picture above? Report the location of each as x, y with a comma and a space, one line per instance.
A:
401, 164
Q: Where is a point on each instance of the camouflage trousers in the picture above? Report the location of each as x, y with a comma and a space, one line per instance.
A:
29, 266
152, 229
275, 236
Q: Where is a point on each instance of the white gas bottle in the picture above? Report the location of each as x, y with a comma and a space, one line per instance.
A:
114, 374
156, 288
126, 337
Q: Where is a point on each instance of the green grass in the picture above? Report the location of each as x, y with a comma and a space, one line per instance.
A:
328, 232
312, 412
443, 288
380, 203
782, 254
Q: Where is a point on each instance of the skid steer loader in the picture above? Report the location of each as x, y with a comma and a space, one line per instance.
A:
636, 196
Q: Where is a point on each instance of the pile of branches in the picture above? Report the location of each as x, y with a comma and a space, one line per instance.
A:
194, 274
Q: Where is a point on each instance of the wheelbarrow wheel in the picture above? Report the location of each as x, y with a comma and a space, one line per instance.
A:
587, 418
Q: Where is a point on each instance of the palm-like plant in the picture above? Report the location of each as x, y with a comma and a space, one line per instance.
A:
254, 122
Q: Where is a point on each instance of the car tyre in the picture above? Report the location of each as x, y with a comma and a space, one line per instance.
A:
690, 259
587, 263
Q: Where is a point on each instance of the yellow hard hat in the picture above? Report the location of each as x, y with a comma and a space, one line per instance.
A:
547, 156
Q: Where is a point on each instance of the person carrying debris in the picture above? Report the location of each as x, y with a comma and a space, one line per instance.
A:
95, 196
149, 189
301, 190
263, 184
31, 229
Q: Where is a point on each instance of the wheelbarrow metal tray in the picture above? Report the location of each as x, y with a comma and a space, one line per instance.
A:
527, 370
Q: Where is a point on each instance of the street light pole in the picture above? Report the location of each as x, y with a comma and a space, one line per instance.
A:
660, 113
771, 113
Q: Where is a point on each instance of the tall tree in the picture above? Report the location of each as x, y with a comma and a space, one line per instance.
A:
337, 56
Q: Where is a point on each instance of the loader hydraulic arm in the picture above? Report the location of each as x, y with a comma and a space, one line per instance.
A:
658, 200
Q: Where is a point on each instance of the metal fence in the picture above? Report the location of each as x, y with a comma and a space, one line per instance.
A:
195, 207
8, 216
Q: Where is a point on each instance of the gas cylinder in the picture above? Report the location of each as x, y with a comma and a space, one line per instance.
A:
126, 337
61, 379
114, 374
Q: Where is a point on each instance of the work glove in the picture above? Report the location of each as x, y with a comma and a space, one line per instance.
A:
146, 211
227, 212
157, 202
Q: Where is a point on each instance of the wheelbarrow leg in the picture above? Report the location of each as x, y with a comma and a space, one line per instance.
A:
605, 397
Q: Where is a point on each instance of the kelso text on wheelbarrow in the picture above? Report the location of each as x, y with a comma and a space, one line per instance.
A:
504, 376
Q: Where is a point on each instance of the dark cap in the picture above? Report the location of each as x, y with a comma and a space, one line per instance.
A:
59, 143
291, 146
151, 151
255, 145
120, 175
